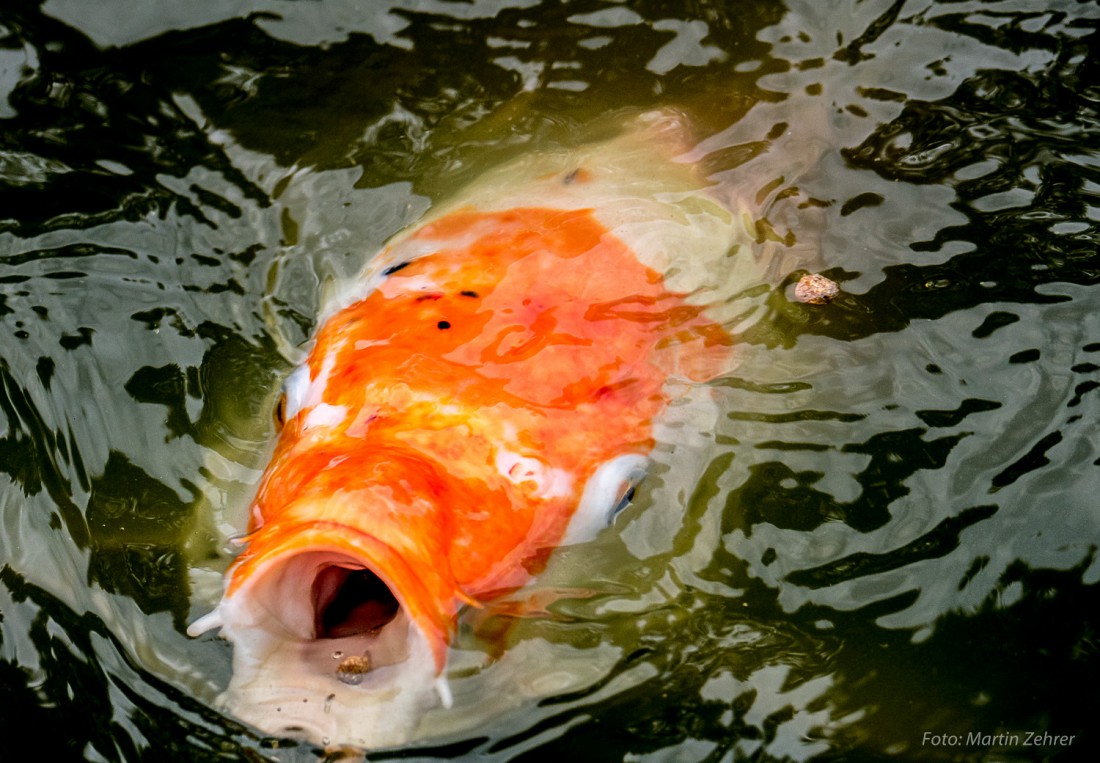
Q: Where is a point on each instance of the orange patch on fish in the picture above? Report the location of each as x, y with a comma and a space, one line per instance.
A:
460, 408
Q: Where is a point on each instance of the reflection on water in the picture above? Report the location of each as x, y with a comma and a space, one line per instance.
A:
882, 524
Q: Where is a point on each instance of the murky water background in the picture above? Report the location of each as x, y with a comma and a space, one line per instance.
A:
888, 546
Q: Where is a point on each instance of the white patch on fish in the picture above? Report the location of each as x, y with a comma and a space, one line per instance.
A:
325, 415
551, 483
296, 389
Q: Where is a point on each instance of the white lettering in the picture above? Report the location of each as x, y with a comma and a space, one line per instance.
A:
941, 740
1046, 739
1002, 739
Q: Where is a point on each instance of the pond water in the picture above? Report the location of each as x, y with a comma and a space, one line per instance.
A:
882, 544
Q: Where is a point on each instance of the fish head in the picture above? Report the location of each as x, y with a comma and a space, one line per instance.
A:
338, 633
363, 678
485, 394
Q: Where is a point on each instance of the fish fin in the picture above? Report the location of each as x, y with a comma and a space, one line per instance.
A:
706, 353
468, 600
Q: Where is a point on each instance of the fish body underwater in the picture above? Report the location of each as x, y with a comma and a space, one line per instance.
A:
485, 392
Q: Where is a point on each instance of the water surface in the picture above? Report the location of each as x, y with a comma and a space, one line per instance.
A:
879, 541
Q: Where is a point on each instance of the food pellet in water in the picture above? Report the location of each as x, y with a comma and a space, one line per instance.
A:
815, 289
352, 669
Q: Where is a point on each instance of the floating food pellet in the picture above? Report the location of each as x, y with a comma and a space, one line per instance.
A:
352, 669
815, 289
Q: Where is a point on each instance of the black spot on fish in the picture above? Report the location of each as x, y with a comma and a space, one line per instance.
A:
443, 325
469, 293
394, 268
569, 178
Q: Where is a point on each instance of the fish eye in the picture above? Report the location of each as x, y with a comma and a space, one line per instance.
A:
626, 494
279, 413
608, 492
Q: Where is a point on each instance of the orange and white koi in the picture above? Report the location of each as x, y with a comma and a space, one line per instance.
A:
485, 393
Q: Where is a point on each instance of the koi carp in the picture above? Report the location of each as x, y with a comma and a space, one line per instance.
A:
485, 392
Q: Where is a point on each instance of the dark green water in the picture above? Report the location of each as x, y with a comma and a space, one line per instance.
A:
887, 552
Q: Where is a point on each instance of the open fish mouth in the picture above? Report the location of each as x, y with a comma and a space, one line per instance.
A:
322, 595
349, 601
324, 651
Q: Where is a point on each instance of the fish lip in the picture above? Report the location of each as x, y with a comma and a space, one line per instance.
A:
293, 688
289, 676
280, 570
